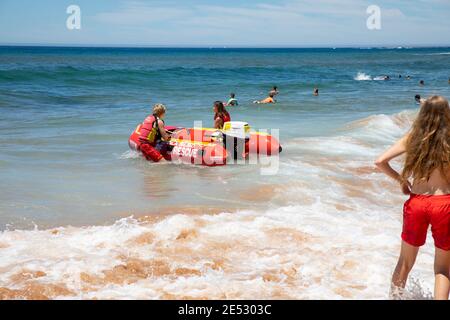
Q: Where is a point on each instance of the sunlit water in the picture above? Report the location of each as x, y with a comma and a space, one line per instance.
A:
84, 217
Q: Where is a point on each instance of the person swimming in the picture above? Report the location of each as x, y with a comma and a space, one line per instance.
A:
221, 115
274, 91
418, 98
316, 92
408, 77
427, 163
232, 101
269, 99
421, 82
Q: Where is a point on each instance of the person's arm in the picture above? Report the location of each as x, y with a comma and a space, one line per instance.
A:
218, 123
165, 136
383, 164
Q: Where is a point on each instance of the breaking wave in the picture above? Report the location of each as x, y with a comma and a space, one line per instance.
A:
361, 76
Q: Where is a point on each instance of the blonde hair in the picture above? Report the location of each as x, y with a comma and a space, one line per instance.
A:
428, 145
159, 109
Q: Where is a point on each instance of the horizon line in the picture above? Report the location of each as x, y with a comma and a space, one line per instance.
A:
132, 46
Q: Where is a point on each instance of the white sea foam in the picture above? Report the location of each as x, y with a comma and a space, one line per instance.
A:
433, 54
361, 76
130, 154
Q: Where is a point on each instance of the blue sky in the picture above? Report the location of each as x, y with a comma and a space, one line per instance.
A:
261, 23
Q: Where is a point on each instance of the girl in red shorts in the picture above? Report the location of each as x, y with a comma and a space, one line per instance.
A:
427, 166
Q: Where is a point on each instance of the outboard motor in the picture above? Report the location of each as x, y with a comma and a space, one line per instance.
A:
235, 136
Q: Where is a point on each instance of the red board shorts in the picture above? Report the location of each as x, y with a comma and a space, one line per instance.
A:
150, 153
419, 212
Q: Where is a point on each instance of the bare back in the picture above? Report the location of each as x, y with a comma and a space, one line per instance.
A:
436, 185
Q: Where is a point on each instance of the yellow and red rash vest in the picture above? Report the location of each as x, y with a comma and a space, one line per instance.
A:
150, 130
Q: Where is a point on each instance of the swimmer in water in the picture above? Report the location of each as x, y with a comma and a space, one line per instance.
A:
418, 99
233, 101
421, 82
408, 78
316, 92
269, 99
274, 91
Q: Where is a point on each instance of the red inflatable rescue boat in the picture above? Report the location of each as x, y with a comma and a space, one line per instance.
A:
212, 147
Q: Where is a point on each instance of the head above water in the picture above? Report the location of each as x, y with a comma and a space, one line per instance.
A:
159, 110
232, 95
428, 145
417, 97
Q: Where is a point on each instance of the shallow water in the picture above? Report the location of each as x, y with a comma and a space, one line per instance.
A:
201, 232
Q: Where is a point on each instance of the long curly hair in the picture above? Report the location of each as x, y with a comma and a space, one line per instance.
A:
428, 144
